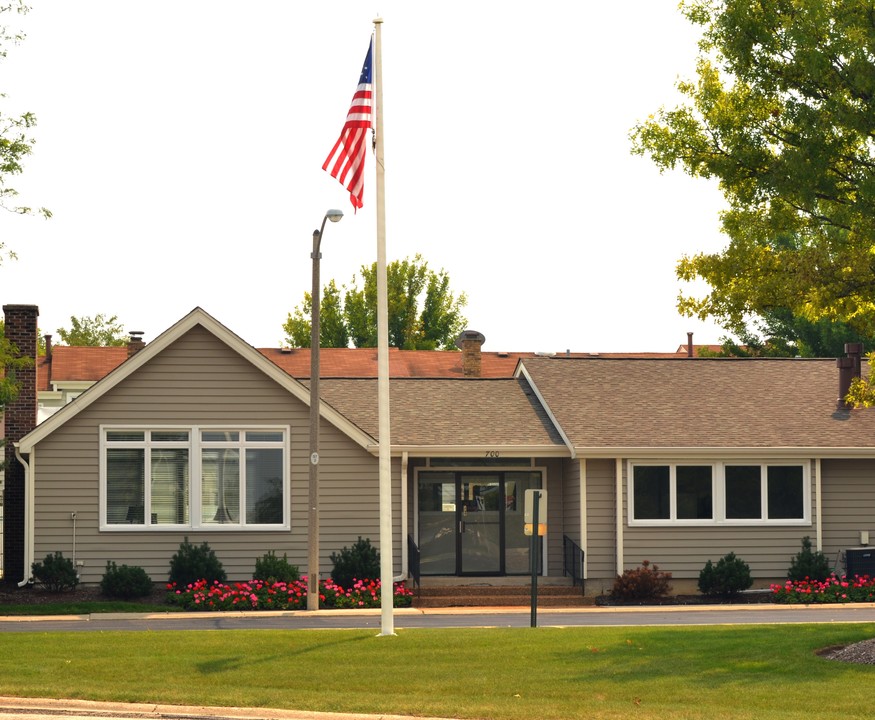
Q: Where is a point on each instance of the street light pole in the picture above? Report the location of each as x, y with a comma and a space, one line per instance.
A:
313, 494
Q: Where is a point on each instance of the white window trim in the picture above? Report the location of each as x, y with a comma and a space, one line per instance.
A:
194, 446
718, 485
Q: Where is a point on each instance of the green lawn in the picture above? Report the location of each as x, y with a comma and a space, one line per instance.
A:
734, 672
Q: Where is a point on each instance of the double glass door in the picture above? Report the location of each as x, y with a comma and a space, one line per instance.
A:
471, 523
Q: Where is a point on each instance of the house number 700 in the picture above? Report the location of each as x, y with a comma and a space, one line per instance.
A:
492, 453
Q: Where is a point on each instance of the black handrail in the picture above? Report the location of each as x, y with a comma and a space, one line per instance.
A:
413, 561
572, 561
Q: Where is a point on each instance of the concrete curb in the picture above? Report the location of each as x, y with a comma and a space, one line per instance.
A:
49, 707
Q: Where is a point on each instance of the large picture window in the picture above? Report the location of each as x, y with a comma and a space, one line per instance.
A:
738, 493
765, 492
194, 478
672, 492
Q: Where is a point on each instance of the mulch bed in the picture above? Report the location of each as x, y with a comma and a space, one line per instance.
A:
748, 598
35, 595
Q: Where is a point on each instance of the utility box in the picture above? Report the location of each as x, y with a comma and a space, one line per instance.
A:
860, 561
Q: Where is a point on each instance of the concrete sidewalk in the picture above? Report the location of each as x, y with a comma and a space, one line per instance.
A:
462, 610
12, 708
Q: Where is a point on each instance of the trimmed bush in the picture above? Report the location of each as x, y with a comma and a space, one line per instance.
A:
125, 582
195, 562
728, 577
360, 562
641, 583
809, 564
270, 568
56, 573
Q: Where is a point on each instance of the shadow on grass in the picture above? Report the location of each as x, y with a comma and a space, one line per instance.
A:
237, 662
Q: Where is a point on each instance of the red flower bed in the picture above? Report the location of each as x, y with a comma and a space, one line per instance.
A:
263, 595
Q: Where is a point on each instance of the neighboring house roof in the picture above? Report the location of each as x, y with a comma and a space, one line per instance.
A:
698, 403
75, 364
79, 363
441, 413
362, 362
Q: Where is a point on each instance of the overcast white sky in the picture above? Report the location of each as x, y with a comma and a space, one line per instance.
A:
180, 145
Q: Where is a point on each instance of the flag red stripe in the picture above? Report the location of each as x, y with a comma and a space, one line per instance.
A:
347, 157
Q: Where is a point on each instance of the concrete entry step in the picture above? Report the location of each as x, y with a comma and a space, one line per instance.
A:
500, 595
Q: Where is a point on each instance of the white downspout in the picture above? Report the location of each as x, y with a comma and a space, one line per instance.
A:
618, 465
583, 509
404, 557
28, 518
818, 505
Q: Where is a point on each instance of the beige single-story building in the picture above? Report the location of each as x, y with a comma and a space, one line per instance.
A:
675, 460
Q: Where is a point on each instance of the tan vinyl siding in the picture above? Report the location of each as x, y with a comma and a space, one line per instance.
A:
683, 551
199, 380
601, 542
555, 516
570, 506
848, 505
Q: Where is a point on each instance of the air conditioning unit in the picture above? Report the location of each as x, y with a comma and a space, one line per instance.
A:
860, 561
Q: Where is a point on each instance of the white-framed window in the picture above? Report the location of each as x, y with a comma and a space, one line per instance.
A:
695, 493
223, 478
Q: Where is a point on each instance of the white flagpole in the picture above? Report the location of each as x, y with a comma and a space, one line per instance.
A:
387, 599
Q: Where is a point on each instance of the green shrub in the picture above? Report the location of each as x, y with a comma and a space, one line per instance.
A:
809, 564
192, 563
360, 562
728, 577
125, 582
641, 583
56, 573
270, 568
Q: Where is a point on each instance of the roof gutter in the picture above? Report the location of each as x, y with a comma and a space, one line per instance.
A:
478, 451
729, 452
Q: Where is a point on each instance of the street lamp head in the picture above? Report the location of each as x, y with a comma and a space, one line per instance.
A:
334, 215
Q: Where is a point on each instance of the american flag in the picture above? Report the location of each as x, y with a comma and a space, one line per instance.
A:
346, 161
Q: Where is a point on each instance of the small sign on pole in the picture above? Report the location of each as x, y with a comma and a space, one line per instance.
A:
535, 513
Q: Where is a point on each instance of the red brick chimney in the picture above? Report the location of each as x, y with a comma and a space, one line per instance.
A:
20, 418
470, 342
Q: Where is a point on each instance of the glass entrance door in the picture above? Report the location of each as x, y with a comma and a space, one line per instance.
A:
471, 522
481, 524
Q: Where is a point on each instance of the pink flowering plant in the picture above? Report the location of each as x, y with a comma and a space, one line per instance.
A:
835, 589
270, 595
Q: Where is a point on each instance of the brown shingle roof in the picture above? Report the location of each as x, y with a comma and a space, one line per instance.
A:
699, 403
439, 412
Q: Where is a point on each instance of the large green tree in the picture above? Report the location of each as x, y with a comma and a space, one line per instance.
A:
780, 333
782, 115
15, 142
99, 331
424, 313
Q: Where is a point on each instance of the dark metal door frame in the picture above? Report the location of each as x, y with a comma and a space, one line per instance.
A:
461, 477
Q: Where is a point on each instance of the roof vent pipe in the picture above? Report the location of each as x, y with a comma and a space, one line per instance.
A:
135, 342
855, 352
846, 374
